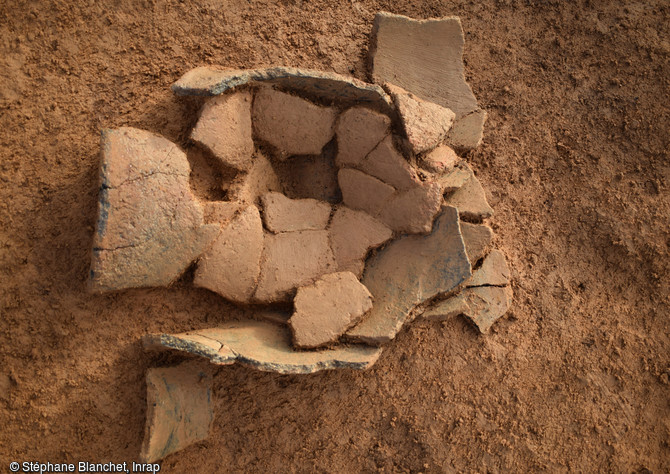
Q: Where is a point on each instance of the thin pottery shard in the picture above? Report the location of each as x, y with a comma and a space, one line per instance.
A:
447, 309
224, 127
179, 409
487, 304
467, 132
267, 347
470, 200
455, 178
477, 239
327, 308
231, 265
192, 343
426, 124
205, 81
293, 125
493, 272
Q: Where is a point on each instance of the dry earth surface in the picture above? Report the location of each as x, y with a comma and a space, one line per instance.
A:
576, 163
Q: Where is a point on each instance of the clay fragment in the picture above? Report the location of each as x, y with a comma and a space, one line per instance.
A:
325, 309
207, 80
282, 214
409, 271
493, 272
179, 409
470, 199
482, 305
447, 309
293, 125
426, 124
192, 343
352, 235
424, 57
468, 131
291, 260
150, 227
260, 179
487, 305
456, 178
230, 267
224, 128
321, 85
440, 161
388, 165
364, 192
359, 131
477, 239
413, 211
267, 347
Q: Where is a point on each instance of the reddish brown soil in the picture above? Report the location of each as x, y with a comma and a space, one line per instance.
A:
576, 160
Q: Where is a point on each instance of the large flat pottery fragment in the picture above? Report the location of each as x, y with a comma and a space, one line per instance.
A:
426, 124
358, 131
293, 125
327, 308
282, 214
470, 200
468, 132
364, 192
224, 127
290, 260
387, 164
150, 226
412, 211
477, 239
179, 409
230, 267
493, 272
411, 270
424, 57
266, 346
352, 234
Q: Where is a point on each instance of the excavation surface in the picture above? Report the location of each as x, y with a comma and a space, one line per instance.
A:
575, 162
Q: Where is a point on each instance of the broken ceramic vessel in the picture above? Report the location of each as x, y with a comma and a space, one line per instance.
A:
347, 200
